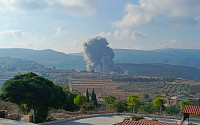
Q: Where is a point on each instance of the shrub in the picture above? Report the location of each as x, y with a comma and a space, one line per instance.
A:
127, 119
121, 106
154, 119
172, 110
138, 117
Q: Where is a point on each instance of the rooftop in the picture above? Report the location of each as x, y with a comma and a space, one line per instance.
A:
192, 109
145, 122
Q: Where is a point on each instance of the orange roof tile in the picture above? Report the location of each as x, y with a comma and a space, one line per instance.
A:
145, 122
191, 109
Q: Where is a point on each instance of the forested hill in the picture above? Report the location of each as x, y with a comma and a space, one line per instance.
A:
8, 64
10, 67
49, 58
162, 70
180, 57
12, 64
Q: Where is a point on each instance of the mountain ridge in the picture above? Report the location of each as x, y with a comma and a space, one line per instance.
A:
139, 62
162, 70
48, 57
51, 58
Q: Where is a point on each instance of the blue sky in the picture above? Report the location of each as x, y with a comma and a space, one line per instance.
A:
64, 25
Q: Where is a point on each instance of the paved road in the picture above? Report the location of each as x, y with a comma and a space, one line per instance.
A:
103, 120
12, 122
109, 120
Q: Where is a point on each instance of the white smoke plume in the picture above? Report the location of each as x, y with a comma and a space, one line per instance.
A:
97, 53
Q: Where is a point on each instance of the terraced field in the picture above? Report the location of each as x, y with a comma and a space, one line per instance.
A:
102, 87
123, 89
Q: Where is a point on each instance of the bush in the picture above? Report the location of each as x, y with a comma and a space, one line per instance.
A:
154, 119
146, 96
139, 117
172, 110
121, 106
89, 106
148, 108
127, 119
145, 108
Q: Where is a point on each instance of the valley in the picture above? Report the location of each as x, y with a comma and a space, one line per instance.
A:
139, 78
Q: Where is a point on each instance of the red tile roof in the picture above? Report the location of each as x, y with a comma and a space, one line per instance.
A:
192, 109
145, 122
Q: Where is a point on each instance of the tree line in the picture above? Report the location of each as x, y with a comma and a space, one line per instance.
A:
132, 78
133, 104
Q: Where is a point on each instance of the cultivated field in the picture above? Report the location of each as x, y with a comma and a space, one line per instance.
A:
102, 87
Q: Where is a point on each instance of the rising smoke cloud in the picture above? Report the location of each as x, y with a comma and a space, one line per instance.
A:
97, 53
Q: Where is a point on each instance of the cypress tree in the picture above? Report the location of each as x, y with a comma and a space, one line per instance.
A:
94, 98
87, 95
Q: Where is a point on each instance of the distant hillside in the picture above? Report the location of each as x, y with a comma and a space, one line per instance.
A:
49, 58
11, 65
181, 57
162, 70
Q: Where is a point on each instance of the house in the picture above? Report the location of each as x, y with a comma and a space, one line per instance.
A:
194, 99
170, 101
197, 95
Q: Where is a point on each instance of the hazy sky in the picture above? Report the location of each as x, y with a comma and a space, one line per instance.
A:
63, 25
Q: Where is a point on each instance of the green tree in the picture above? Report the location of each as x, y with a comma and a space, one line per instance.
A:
146, 108
69, 104
80, 100
132, 100
35, 92
89, 106
109, 101
87, 95
172, 110
183, 103
146, 96
94, 98
121, 106
159, 102
166, 94
158, 94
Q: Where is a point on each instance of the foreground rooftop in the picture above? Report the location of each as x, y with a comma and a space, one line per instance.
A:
145, 122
